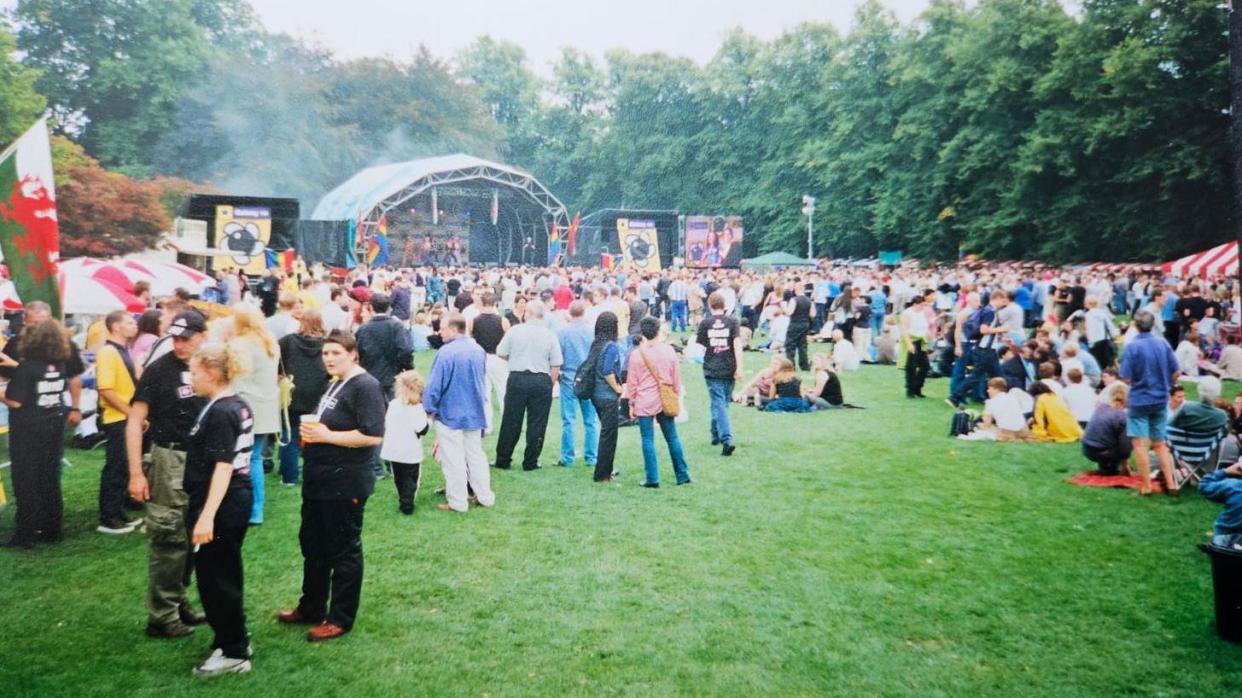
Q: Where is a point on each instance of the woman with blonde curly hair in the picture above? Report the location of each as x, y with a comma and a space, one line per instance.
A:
259, 353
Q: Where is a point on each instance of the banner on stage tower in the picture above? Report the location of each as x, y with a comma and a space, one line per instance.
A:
245, 232
713, 241
640, 244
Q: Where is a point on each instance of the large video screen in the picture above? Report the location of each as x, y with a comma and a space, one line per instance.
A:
713, 241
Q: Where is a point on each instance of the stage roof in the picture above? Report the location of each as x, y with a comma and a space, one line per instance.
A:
360, 194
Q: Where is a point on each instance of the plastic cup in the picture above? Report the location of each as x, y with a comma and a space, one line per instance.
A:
307, 420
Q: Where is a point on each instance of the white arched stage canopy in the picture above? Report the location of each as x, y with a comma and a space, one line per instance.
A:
464, 191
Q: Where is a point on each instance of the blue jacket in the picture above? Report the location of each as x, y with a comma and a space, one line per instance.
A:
1219, 487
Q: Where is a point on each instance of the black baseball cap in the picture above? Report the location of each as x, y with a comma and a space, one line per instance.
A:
187, 324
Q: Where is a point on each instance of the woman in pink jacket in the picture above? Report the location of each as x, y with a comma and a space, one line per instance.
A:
650, 363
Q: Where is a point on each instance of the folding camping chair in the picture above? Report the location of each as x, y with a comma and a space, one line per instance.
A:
1194, 454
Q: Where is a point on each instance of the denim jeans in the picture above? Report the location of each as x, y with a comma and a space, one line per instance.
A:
877, 325
677, 312
646, 428
570, 407
256, 478
958, 375
975, 385
720, 393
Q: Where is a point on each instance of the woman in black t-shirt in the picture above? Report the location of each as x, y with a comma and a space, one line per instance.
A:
826, 393
341, 438
217, 482
36, 435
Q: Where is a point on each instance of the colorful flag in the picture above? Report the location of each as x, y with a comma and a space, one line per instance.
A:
377, 250
435, 206
606, 260
382, 226
573, 232
495, 206
29, 234
554, 244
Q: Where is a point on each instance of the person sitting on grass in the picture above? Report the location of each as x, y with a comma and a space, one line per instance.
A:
1109, 382
1050, 375
1225, 486
826, 393
1079, 396
1002, 417
785, 391
756, 391
1053, 420
844, 354
1104, 441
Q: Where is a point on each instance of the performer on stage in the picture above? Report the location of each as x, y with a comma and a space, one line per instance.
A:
528, 251
453, 256
426, 250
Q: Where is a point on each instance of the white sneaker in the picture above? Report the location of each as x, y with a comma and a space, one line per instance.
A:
115, 527
218, 664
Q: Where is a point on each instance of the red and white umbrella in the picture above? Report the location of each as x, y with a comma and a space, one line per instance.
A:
1219, 261
166, 277
84, 294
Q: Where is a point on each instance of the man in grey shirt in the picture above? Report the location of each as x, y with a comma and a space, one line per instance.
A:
534, 356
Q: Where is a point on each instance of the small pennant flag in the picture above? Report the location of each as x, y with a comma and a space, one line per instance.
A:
495, 206
29, 233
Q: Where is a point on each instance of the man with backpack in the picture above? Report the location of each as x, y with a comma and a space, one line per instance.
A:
575, 339
965, 334
979, 332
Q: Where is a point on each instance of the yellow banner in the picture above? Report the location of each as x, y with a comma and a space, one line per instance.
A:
640, 244
244, 231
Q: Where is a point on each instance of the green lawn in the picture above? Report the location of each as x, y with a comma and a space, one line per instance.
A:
856, 552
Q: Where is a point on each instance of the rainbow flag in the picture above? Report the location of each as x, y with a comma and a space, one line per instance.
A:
606, 260
377, 247
554, 243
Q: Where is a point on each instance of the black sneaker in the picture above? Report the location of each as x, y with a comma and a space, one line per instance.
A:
650, 485
18, 543
172, 629
728, 450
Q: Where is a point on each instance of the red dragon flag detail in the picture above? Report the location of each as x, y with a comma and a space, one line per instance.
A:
29, 235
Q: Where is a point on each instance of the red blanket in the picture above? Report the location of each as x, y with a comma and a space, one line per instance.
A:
1089, 478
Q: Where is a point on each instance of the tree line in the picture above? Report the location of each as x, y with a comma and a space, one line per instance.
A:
1010, 129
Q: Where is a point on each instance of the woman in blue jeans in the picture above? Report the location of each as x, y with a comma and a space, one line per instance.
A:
604, 363
652, 363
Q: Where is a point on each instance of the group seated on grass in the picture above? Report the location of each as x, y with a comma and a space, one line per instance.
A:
777, 387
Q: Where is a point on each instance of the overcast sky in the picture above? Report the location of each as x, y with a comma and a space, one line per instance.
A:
691, 28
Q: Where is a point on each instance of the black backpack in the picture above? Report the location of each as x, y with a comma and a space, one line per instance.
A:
584, 379
962, 423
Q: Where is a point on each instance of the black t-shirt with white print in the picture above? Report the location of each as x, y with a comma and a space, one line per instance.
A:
171, 403
337, 472
716, 334
222, 433
39, 387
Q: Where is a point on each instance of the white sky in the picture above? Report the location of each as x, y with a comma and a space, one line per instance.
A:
691, 28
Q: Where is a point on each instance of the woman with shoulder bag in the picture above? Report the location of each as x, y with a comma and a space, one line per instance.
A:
653, 380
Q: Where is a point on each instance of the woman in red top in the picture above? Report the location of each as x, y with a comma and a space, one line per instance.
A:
651, 363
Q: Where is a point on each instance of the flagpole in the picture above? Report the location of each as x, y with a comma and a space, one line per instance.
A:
13, 146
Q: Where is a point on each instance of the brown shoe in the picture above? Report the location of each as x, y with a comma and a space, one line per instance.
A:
295, 617
189, 616
169, 630
325, 631
444, 506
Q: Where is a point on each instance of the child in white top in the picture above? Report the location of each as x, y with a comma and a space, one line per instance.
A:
1079, 396
405, 424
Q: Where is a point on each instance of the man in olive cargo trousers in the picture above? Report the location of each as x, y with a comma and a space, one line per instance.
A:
163, 412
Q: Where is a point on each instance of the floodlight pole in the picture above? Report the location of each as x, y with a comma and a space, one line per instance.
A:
808, 209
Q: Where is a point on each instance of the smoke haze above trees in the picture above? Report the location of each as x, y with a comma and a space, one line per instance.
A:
1008, 127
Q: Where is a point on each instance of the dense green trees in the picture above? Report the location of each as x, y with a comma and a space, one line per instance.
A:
1007, 128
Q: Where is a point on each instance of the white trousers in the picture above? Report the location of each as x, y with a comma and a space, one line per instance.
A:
463, 460
497, 378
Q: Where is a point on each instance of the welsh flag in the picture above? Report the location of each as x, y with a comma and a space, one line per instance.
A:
29, 236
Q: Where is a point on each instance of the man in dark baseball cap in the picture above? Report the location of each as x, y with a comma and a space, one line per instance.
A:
164, 402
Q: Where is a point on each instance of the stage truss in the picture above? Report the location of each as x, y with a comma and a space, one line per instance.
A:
553, 212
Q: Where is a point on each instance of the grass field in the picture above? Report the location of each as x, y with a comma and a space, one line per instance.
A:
857, 552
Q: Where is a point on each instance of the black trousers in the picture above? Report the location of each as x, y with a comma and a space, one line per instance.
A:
1104, 353
917, 367
526, 394
221, 582
114, 480
331, 539
795, 342
407, 477
607, 451
36, 447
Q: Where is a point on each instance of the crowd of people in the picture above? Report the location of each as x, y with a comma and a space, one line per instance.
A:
313, 377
